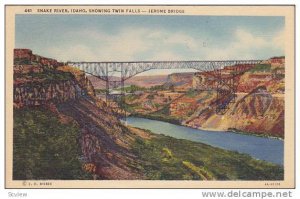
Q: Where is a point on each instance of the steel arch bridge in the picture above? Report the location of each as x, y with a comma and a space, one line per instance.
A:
225, 86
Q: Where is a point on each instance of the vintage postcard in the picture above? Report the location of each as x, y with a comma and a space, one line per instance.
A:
150, 96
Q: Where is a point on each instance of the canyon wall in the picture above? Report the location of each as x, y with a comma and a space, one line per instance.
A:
179, 81
258, 112
39, 80
258, 109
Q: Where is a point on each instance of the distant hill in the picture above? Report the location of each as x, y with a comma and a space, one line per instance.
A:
181, 81
141, 81
147, 81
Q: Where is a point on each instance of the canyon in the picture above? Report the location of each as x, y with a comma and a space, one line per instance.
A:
190, 100
63, 131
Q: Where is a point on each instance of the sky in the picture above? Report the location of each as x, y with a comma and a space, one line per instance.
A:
150, 38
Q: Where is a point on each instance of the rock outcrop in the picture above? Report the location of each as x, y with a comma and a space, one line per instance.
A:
269, 73
179, 81
27, 58
36, 94
39, 81
258, 112
259, 108
105, 142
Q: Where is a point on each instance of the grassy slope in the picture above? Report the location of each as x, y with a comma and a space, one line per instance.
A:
44, 148
167, 158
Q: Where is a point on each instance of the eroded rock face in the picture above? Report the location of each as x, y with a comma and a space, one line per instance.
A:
39, 81
26, 57
259, 107
180, 81
255, 104
105, 142
35, 94
258, 112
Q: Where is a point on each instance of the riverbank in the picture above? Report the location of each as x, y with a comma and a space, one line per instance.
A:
163, 157
262, 148
157, 118
233, 130
176, 121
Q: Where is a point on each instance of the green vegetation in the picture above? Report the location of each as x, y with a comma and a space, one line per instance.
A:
44, 148
47, 75
252, 133
134, 88
191, 93
201, 171
130, 98
159, 117
261, 68
278, 57
163, 114
166, 158
165, 111
100, 91
150, 96
208, 95
157, 88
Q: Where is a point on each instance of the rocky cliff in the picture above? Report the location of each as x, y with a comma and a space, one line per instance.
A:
258, 109
179, 81
39, 80
258, 112
44, 85
36, 93
269, 73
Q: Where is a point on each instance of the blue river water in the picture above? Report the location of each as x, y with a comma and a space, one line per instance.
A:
268, 149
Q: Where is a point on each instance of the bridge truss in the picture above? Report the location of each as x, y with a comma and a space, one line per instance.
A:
116, 73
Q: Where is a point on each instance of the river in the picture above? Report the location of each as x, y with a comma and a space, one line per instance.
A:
263, 148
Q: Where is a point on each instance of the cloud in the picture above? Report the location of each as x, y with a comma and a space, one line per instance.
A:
127, 44
182, 39
246, 39
73, 53
279, 39
247, 45
143, 44
98, 46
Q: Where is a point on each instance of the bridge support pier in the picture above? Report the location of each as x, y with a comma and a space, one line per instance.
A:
116, 99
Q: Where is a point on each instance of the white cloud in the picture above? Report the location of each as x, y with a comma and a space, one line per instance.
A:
125, 45
104, 47
73, 53
246, 45
246, 39
183, 39
279, 39
135, 44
